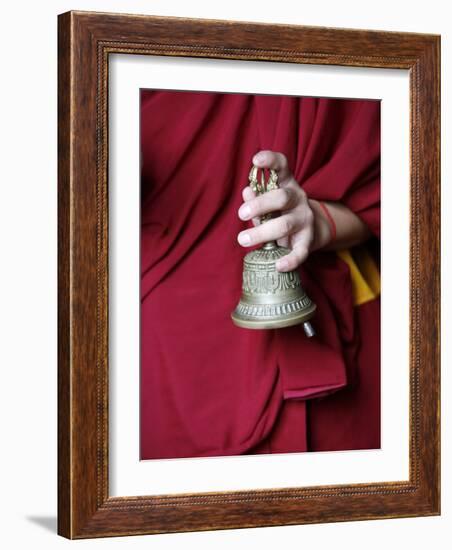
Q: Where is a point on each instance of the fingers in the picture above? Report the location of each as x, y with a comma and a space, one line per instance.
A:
248, 194
294, 228
277, 199
292, 260
284, 241
275, 161
278, 229
301, 246
270, 231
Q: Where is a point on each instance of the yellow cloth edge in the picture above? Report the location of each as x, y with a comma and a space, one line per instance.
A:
364, 273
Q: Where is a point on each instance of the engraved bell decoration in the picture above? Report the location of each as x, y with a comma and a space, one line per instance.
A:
270, 299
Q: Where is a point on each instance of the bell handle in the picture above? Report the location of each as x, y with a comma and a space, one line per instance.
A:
259, 188
270, 245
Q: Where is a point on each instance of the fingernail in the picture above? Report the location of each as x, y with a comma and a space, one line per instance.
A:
244, 239
245, 212
282, 264
258, 158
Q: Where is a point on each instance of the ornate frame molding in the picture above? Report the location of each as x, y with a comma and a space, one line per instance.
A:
86, 40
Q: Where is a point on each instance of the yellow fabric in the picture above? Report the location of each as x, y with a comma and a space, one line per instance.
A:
364, 274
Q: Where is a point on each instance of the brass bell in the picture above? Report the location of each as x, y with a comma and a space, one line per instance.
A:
270, 299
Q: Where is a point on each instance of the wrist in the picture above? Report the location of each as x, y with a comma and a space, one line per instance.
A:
323, 229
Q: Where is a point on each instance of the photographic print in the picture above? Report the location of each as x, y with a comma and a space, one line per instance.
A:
295, 183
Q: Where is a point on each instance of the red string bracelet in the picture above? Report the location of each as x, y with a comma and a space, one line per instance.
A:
331, 221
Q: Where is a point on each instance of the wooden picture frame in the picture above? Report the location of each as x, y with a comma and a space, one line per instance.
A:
85, 42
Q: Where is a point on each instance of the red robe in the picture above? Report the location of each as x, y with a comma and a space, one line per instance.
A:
209, 388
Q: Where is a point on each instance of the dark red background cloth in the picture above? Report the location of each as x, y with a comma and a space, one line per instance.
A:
209, 388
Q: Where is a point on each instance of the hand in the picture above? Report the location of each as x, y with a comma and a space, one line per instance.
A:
294, 228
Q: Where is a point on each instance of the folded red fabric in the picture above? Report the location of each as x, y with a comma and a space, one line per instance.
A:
209, 388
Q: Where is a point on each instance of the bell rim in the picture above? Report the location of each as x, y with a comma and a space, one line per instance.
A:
274, 323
